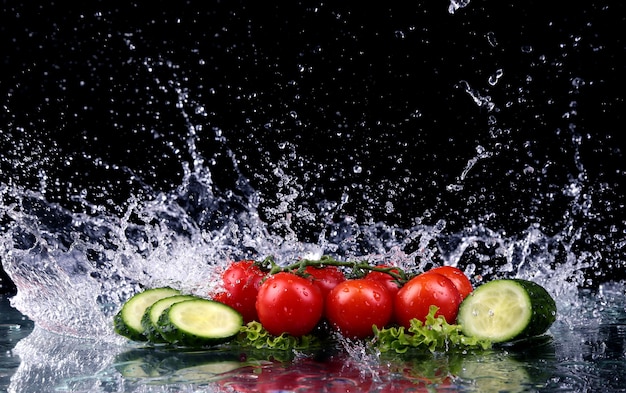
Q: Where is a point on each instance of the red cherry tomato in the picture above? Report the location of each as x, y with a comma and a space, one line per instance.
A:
458, 278
241, 281
387, 280
287, 303
353, 306
326, 278
414, 299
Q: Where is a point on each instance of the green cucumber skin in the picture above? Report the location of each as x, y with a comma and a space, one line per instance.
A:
151, 331
121, 327
543, 309
178, 337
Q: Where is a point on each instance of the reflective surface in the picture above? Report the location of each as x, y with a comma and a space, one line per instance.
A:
144, 146
13, 327
582, 352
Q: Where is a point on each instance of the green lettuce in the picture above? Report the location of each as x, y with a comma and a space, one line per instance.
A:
254, 335
434, 333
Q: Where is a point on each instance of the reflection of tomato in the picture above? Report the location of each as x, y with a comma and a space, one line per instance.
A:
282, 379
340, 373
354, 306
241, 281
344, 375
326, 278
287, 303
405, 385
458, 278
303, 375
414, 299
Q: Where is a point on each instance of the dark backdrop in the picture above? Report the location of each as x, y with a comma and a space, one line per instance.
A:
347, 99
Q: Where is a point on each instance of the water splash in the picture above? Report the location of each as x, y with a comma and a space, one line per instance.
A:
74, 270
455, 5
74, 263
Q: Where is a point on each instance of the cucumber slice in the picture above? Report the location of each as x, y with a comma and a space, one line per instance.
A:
127, 322
199, 322
150, 318
507, 309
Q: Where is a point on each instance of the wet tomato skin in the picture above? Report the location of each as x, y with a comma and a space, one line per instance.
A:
287, 303
414, 299
241, 281
326, 278
353, 306
390, 283
458, 278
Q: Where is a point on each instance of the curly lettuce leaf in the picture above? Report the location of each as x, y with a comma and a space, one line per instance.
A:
254, 335
435, 334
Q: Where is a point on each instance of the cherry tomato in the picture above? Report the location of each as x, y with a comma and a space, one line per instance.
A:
414, 299
241, 281
390, 283
458, 278
326, 278
353, 306
287, 303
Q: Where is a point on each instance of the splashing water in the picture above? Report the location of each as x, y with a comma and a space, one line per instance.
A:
74, 270
75, 259
456, 5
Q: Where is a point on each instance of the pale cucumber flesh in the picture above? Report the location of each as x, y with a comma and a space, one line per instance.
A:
151, 316
507, 309
199, 322
128, 321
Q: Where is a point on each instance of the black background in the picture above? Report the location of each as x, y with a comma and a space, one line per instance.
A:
380, 87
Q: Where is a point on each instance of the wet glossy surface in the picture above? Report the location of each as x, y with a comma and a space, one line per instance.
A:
13, 327
143, 145
584, 354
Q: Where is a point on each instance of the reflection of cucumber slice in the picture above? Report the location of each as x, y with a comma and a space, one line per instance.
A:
503, 310
167, 366
137, 370
205, 372
199, 322
150, 318
495, 373
127, 322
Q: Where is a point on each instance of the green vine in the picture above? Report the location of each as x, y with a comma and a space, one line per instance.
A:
358, 268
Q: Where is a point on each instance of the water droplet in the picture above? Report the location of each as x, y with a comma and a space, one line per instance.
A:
491, 38
527, 49
456, 5
493, 79
577, 82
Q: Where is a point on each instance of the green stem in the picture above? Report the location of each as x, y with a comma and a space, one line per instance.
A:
358, 266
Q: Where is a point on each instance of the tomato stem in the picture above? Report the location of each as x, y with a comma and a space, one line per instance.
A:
358, 267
